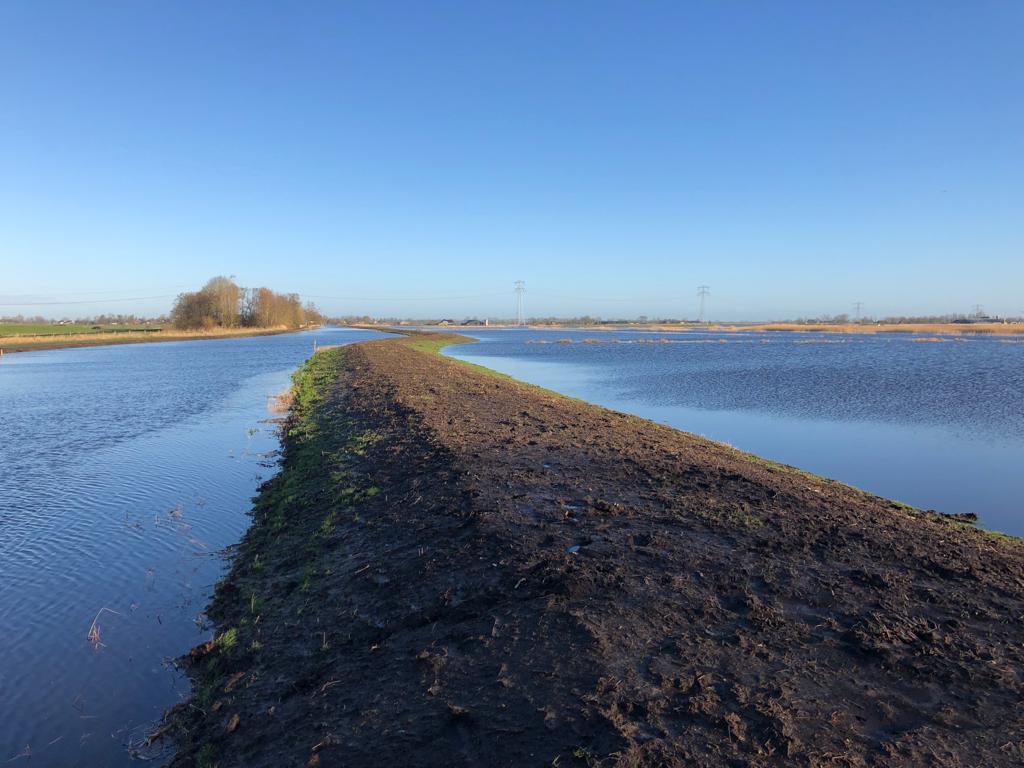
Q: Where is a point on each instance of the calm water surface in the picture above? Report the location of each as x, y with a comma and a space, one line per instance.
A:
936, 424
124, 473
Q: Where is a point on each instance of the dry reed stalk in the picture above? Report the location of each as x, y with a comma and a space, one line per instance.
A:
281, 402
94, 628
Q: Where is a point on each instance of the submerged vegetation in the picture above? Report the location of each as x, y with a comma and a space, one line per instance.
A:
947, 328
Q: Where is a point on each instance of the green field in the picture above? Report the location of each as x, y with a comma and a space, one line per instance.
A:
46, 329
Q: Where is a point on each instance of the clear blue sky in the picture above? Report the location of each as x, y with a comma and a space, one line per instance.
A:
795, 156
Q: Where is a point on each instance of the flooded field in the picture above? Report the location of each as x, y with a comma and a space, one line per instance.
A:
931, 421
125, 472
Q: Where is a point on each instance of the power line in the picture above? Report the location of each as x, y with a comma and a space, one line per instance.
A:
402, 298
648, 299
22, 302
84, 301
703, 292
520, 287
107, 292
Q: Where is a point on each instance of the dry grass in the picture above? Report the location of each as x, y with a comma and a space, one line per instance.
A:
94, 628
27, 343
281, 402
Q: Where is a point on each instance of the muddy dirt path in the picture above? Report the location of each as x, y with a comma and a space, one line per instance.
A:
457, 569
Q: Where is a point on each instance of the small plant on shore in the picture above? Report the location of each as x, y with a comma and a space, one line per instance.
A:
358, 444
745, 519
902, 505
327, 526
206, 694
1004, 539
278, 522
206, 757
227, 640
307, 580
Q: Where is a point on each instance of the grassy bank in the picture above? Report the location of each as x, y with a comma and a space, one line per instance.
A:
454, 568
29, 343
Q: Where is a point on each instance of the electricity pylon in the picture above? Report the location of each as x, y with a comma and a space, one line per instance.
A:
703, 292
520, 290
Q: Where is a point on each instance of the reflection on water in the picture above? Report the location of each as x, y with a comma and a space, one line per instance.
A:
937, 424
124, 473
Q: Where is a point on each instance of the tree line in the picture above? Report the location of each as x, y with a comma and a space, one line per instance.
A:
221, 303
105, 319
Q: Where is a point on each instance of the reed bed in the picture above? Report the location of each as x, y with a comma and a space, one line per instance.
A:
14, 343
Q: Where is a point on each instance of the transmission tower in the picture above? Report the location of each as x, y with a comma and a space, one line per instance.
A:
520, 290
703, 292
979, 311
856, 309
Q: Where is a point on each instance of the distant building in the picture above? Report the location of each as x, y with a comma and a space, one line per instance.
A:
472, 321
978, 319
447, 321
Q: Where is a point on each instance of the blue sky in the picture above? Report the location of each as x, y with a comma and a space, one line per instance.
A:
416, 158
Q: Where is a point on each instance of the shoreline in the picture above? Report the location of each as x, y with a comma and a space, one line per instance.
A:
455, 568
943, 329
147, 337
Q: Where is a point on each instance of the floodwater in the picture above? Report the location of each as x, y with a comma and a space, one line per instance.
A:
125, 472
936, 424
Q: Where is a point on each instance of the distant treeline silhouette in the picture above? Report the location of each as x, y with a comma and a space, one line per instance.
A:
105, 319
221, 303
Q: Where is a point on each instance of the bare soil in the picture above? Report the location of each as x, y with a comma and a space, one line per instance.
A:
457, 569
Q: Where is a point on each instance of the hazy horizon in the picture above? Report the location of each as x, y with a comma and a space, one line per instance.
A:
54, 310
398, 159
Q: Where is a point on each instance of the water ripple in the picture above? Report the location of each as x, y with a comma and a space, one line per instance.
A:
124, 471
